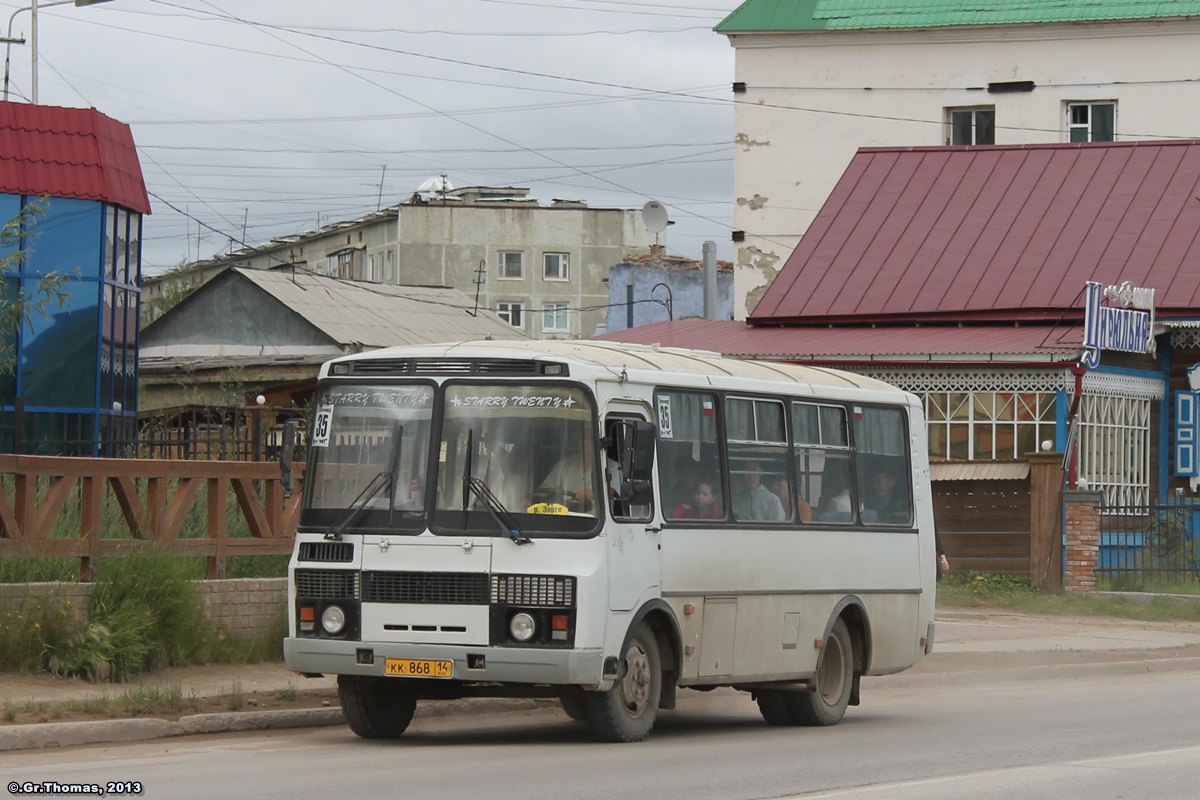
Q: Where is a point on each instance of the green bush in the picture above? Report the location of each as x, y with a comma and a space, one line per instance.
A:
150, 607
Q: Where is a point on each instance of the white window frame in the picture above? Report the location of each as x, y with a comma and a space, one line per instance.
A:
551, 313
952, 127
503, 266
562, 270
506, 308
1001, 415
1114, 448
1087, 127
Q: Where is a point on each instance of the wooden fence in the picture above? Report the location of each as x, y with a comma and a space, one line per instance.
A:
154, 497
1007, 526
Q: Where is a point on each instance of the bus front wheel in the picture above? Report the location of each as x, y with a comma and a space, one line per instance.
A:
376, 708
626, 712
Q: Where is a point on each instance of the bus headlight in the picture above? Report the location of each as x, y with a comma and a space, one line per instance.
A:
333, 620
522, 627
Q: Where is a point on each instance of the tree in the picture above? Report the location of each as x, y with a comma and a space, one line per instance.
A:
18, 306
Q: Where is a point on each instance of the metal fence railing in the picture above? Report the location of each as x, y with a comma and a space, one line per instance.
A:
1149, 546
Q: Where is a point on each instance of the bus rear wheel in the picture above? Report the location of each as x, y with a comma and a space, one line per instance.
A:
832, 684
376, 708
626, 712
826, 703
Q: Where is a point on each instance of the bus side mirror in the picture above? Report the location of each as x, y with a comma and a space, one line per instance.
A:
637, 461
287, 475
640, 455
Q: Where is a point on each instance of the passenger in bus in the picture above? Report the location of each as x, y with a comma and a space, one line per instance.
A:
685, 477
783, 491
755, 501
885, 503
834, 505
704, 505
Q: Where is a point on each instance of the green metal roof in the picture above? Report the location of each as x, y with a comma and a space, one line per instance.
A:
830, 15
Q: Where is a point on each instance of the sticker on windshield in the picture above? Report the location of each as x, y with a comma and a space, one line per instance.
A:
664, 418
463, 400
321, 424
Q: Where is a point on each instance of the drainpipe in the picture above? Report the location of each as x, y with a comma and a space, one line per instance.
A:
1073, 421
709, 259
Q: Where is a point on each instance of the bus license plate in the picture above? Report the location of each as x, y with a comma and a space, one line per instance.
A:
418, 668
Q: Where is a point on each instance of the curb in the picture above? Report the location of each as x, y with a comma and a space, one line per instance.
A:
70, 734
1037, 672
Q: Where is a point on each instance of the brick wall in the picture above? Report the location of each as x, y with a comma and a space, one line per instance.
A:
1082, 545
245, 606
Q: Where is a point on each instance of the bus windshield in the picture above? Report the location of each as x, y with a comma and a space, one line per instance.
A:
370, 445
533, 447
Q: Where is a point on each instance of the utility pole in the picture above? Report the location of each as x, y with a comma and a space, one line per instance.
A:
379, 202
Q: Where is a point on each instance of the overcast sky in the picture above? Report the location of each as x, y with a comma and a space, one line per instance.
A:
273, 115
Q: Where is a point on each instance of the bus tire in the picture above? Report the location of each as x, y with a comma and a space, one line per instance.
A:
572, 704
626, 712
376, 708
774, 706
826, 703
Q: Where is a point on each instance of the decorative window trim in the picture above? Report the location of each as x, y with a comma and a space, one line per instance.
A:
1187, 338
977, 380
1130, 386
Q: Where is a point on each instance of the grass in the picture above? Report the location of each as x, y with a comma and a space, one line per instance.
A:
968, 589
145, 613
136, 702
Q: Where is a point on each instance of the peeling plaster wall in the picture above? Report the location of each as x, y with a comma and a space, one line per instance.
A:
813, 98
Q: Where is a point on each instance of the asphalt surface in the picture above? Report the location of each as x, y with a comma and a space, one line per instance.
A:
972, 647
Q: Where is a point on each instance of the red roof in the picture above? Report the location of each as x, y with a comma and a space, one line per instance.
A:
996, 233
69, 152
973, 343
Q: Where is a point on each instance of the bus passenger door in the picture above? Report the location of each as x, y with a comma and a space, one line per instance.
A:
634, 552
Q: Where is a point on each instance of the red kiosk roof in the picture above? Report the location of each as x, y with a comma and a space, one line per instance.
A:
69, 152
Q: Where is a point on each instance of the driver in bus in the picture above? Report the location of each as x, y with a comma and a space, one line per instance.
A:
571, 478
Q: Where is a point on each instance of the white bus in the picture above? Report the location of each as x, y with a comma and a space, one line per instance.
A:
606, 524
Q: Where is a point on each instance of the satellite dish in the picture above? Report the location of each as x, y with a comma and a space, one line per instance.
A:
654, 215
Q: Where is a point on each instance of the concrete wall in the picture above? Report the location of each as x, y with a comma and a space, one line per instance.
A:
443, 245
238, 606
813, 98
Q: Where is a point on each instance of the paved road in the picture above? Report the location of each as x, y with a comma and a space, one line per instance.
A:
1126, 736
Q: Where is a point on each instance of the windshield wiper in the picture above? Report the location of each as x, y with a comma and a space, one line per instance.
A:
500, 514
385, 479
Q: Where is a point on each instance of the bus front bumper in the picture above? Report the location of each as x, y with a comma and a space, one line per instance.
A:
508, 665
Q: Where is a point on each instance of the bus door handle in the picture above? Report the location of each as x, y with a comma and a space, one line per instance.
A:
653, 528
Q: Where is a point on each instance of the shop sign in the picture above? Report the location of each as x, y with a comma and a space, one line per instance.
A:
1126, 324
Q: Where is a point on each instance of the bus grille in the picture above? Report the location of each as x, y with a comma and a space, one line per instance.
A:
326, 551
552, 591
454, 588
327, 584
